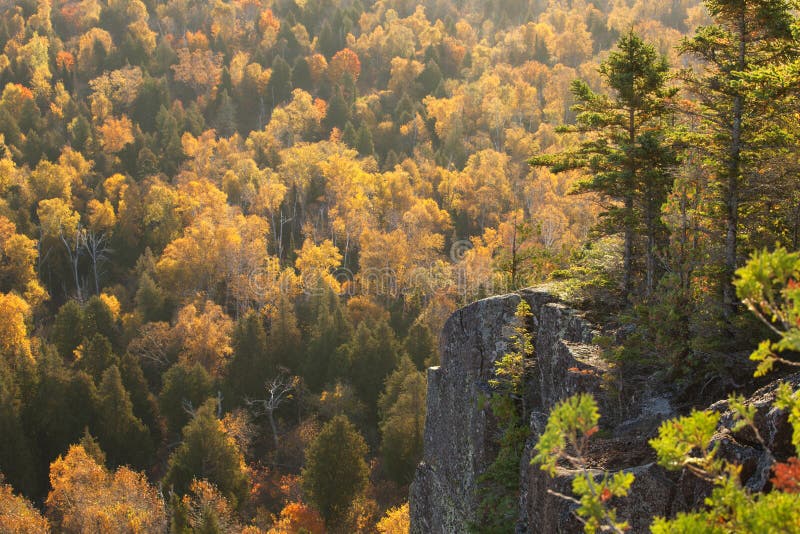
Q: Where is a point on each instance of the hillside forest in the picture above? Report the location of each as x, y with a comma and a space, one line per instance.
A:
231, 230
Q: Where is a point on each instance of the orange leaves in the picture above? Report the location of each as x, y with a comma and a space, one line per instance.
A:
298, 517
268, 22
115, 134
65, 60
18, 515
344, 61
787, 476
87, 498
199, 69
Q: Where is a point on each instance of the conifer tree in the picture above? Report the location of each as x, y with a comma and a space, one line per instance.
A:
285, 340
122, 435
625, 138
746, 35
250, 365
185, 387
335, 472
402, 408
209, 453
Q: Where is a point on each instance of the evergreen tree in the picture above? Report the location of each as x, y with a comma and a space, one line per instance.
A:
628, 139
123, 436
169, 145
207, 452
402, 409
150, 300
185, 387
421, 346
746, 35
364, 144
250, 365
350, 135
279, 89
225, 116
16, 460
338, 113
96, 356
335, 473
145, 405
430, 78
301, 75
99, 319
285, 342
368, 358
68, 329
329, 330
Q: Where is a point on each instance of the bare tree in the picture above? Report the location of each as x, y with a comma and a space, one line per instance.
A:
73, 244
278, 391
96, 245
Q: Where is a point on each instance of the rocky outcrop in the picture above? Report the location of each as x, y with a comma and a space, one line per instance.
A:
459, 430
460, 433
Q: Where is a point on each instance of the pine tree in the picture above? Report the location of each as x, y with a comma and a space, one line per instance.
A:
330, 329
207, 452
335, 472
420, 345
250, 365
123, 436
338, 111
68, 329
285, 342
746, 35
96, 356
279, 88
627, 138
402, 409
185, 387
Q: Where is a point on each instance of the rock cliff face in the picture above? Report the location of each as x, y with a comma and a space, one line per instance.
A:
460, 432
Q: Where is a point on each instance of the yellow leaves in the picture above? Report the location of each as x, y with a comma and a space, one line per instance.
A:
18, 255
51, 180
205, 336
18, 515
101, 215
85, 497
88, 44
115, 134
396, 521
316, 263
112, 303
120, 86
297, 516
14, 342
199, 69
57, 218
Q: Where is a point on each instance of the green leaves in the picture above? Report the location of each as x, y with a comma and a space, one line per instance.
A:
686, 442
570, 424
769, 286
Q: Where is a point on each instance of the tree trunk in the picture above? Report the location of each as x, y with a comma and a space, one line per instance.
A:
732, 190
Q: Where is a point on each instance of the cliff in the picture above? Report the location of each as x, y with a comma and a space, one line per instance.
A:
460, 432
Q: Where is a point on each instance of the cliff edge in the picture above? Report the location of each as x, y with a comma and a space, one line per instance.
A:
460, 432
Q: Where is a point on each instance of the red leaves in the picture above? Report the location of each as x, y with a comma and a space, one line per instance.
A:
787, 476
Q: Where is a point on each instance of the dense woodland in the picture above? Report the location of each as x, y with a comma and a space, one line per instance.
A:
230, 231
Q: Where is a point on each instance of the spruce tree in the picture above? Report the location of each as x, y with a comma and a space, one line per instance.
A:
185, 386
746, 35
122, 435
625, 137
207, 452
250, 365
335, 472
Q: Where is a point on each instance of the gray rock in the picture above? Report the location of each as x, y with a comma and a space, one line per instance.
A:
460, 431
